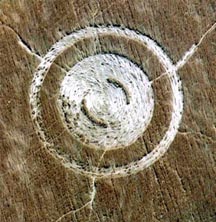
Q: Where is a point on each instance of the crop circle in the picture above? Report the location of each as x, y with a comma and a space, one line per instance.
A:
138, 98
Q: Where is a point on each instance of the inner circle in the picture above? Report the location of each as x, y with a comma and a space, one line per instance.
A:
106, 101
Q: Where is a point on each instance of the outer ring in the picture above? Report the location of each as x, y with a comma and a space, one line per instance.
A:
177, 99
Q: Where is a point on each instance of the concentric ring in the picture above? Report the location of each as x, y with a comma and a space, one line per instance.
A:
175, 83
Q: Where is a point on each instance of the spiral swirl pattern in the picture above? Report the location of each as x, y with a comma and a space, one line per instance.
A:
107, 101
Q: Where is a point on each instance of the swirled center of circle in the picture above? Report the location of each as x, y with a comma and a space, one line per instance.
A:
106, 101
